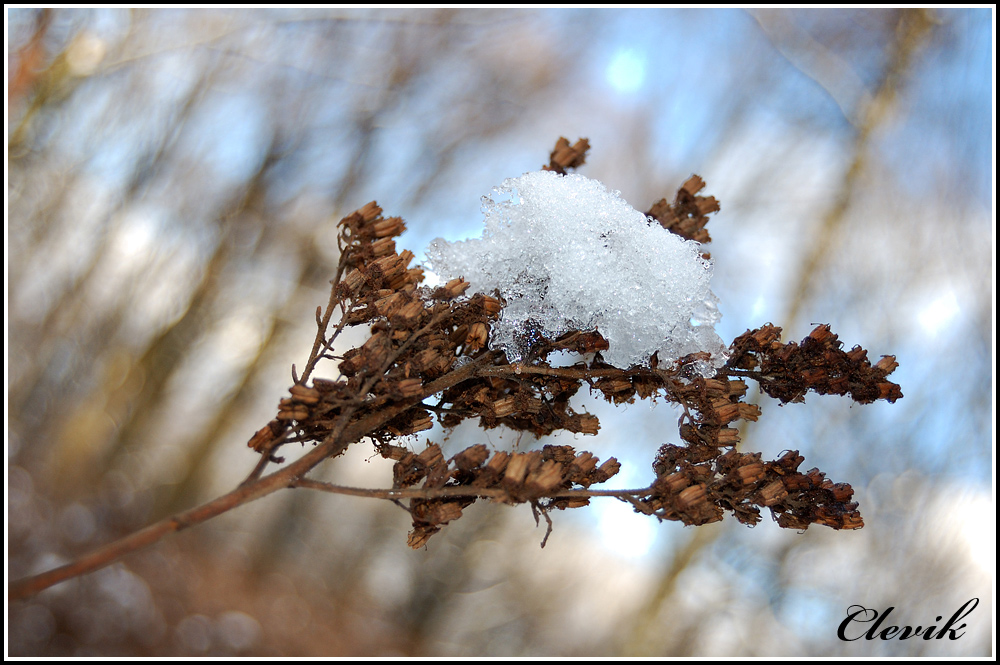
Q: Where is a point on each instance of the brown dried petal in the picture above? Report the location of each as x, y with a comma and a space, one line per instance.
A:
385, 228
477, 336
544, 479
471, 458
772, 493
305, 395
420, 535
583, 423
408, 313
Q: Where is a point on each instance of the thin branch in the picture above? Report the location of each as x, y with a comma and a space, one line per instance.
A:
536, 509
518, 370
344, 433
110, 553
461, 491
265, 458
321, 342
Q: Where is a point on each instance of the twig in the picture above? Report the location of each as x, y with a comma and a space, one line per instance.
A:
343, 434
460, 491
536, 509
110, 553
322, 324
265, 458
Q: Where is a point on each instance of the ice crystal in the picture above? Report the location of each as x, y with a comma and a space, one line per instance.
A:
566, 253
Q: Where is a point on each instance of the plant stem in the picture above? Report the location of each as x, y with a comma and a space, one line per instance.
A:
459, 491
344, 433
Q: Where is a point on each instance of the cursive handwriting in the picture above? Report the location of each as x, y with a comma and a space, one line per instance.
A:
862, 615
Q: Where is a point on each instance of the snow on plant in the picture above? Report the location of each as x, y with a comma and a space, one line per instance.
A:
567, 254
580, 271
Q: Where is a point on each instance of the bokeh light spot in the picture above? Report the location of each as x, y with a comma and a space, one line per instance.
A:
627, 71
939, 313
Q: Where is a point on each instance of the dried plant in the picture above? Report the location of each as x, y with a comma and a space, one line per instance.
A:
429, 356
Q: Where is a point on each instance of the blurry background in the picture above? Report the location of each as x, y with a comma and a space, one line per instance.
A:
174, 182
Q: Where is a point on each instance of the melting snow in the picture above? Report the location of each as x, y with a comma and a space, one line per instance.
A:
566, 253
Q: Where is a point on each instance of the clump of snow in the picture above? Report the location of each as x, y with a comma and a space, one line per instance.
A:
565, 253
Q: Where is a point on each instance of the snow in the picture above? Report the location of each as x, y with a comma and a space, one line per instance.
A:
566, 253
